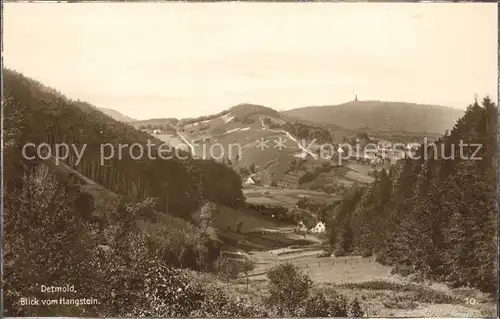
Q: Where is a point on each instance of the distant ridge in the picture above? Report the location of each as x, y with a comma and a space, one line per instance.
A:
382, 116
116, 115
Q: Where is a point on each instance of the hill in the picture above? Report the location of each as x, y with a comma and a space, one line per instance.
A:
380, 116
117, 115
233, 137
46, 116
80, 208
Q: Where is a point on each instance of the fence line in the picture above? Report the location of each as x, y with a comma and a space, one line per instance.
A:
333, 262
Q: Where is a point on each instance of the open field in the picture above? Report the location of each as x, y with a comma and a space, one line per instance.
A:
322, 270
251, 220
380, 293
284, 197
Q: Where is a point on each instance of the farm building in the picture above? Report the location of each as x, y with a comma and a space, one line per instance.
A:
253, 179
250, 181
319, 228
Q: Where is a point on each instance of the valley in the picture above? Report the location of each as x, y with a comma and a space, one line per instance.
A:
383, 294
249, 160
253, 193
278, 180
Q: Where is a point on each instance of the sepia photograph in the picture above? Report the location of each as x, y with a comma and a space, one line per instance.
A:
249, 159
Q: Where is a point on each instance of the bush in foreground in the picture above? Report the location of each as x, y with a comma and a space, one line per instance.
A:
288, 288
290, 295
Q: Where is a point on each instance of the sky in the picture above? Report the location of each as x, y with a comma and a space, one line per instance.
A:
154, 60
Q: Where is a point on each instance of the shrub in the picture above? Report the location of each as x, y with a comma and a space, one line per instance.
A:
221, 301
321, 305
375, 285
413, 291
338, 305
355, 309
167, 292
45, 241
174, 240
288, 287
307, 177
238, 226
181, 244
428, 295
398, 301
158, 290
303, 203
317, 306
207, 213
85, 204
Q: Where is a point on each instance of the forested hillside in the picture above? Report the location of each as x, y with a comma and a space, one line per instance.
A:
382, 116
436, 216
41, 115
150, 223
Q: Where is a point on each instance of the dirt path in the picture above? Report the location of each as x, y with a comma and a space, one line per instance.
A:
302, 148
191, 147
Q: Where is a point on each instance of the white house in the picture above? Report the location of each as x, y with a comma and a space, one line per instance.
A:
319, 228
156, 131
250, 181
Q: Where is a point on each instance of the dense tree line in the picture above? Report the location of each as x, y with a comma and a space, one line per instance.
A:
219, 181
436, 214
188, 121
38, 115
164, 127
309, 176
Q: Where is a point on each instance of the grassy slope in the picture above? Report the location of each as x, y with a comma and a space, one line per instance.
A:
284, 197
241, 125
272, 163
